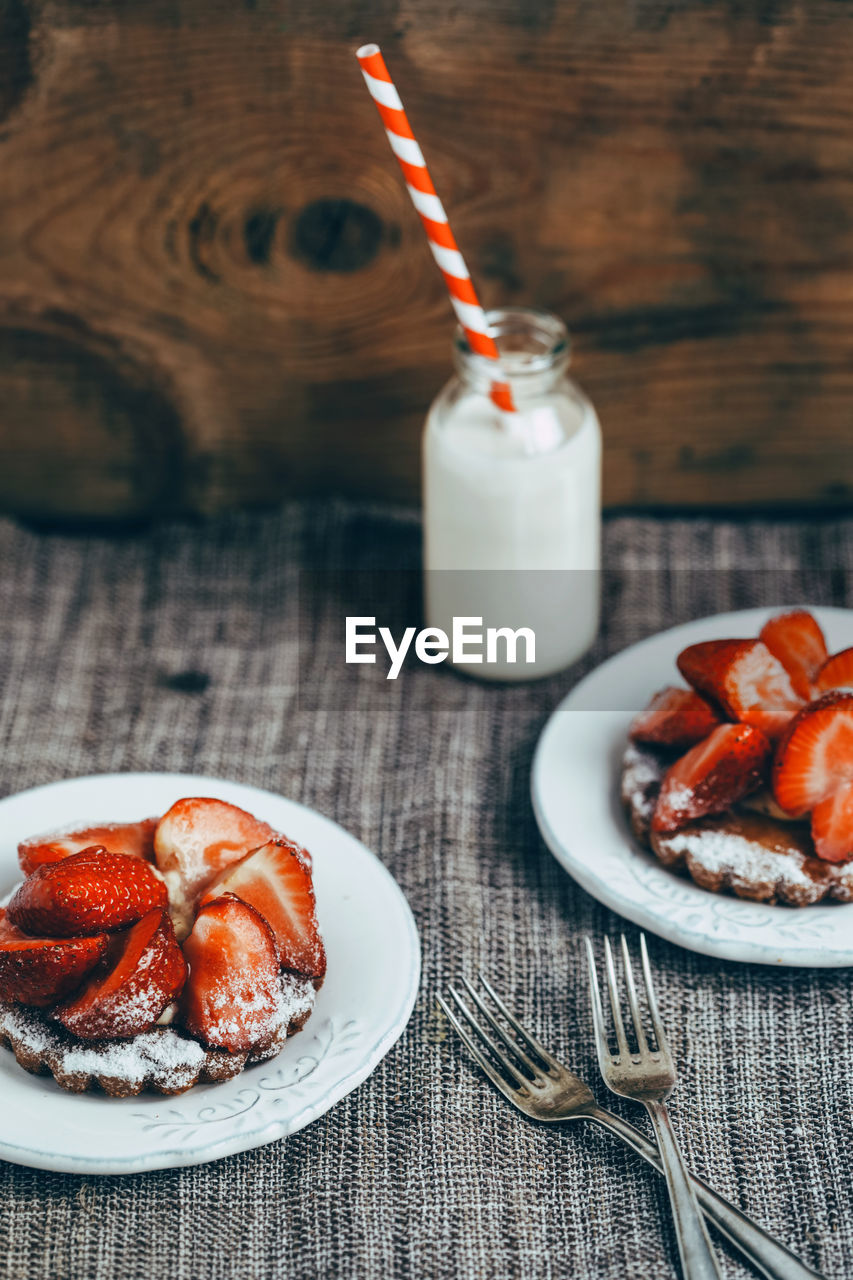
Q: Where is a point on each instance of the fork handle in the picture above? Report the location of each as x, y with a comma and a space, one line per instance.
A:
694, 1245
768, 1256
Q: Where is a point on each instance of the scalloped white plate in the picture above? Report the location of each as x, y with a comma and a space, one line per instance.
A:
372, 981
575, 789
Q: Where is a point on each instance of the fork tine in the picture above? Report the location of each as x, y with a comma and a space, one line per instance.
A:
508, 1066
602, 1048
639, 1030
660, 1034
482, 1061
530, 1041
511, 1044
615, 1002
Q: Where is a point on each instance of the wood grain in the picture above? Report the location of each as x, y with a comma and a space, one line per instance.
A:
214, 291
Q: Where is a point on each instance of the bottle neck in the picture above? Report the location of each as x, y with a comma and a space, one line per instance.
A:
534, 352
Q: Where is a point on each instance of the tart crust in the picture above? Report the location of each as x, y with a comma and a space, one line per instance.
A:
165, 1059
749, 852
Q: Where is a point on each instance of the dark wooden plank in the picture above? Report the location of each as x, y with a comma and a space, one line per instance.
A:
215, 292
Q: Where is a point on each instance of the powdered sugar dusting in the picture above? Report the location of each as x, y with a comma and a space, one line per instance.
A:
265, 1011
163, 1058
140, 1003
679, 797
297, 997
642, 771
640, 767
166, 1054
735, 855
28, 1027
234, 1016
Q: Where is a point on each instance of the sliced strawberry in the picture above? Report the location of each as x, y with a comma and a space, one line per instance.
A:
275, 881
745, 679
712, 776
674, 718
40, 971
89, 892
136, 839
146, 972
797, 641
836, 672
199, 836
232, 999
814, 757
832, 825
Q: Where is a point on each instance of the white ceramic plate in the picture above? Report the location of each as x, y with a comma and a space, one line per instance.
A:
575, 787
361, 1010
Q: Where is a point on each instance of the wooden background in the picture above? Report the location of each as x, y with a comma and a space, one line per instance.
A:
214, 292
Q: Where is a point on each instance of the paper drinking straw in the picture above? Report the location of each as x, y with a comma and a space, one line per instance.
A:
444, 248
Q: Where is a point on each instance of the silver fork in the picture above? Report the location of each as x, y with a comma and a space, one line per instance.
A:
647, 1074
542, 1089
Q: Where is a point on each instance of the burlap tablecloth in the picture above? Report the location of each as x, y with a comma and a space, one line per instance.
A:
218, 649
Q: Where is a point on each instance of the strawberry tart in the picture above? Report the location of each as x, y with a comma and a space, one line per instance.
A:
745, 779
158, 954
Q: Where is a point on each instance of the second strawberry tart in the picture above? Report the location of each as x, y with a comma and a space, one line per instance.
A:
745, 779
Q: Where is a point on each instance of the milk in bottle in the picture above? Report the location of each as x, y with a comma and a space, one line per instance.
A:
512, 505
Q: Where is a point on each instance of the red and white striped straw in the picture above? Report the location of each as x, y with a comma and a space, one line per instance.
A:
444, 248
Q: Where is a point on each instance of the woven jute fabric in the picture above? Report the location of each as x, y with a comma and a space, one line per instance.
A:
218, 649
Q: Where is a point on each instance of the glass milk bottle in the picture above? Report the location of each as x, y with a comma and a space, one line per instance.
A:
512, 503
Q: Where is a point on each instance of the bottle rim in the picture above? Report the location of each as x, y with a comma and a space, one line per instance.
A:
547, 348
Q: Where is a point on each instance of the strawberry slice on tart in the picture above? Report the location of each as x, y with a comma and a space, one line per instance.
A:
232, 999
745, 679
836, 672
712, 776
795, 638
814, 757
674, 718
88, 892
200, 836
813, 773
127, 995
832, 825
40, 971
276, 882
136, 839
